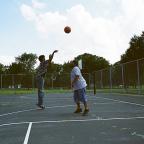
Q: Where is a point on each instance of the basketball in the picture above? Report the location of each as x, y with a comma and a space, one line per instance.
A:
67, 29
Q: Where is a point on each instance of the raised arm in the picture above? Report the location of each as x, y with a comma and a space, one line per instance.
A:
52, 55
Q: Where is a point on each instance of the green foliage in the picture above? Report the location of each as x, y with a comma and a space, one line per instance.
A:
136, 49
1, 68
27, 62
67, 67
16, 68
90, 63
53, 68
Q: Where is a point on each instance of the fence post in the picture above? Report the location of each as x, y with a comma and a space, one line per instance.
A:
122, 70
89, 76
13, 82
33, 82
101, 74
94, 84
1, 81
52, 80
110, 78
138, 77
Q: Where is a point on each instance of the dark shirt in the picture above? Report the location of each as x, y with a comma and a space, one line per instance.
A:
42, 68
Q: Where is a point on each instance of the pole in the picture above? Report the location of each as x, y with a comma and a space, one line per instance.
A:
122, 71
111, 79
101, 73
94, 84
1, 81
138, 77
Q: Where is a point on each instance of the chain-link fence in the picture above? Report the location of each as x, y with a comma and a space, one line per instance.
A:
123, 78
16, 81
52, 81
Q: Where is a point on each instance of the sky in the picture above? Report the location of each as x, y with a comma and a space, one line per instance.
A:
99, 27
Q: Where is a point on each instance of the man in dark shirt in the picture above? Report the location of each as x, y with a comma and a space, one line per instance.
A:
41, 71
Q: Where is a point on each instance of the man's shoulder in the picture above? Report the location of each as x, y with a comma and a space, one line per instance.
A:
76, 70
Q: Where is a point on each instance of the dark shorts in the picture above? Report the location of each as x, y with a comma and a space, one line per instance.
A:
80, 95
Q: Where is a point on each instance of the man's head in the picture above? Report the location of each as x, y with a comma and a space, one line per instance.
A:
75, 62
41, 58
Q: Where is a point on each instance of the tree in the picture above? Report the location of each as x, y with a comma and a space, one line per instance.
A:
27, 61
92, 63
1, 68
16, 68
136, 49
134, 52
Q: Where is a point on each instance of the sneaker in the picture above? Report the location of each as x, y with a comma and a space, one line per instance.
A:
41, 106
85, 112
78, 110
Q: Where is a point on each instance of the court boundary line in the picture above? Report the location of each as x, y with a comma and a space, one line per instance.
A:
123, 94
126, 102
49, 107
74, 120
28, 133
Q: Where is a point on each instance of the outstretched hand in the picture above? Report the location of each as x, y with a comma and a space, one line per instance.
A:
55, 51
51, 55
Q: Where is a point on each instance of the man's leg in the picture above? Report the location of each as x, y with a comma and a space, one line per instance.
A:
83, 98
76, 99
40, 97
40, 91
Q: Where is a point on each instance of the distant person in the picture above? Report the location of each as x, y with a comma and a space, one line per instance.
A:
41, 71
78, 84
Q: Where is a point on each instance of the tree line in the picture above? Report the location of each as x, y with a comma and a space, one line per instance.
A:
25, 63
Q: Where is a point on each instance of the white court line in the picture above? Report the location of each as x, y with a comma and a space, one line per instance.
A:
16, 112
105, 103
88, 120
9, 124
60, 106
51, 107
34, 109
28, 133
75, 120
122, 101
126, 94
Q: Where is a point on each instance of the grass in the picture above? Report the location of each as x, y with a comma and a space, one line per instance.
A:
34, 91
122, 91
15, 91
30, 91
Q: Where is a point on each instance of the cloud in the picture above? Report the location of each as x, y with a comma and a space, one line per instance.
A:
6, 60
38, 5
102, 36
28, 12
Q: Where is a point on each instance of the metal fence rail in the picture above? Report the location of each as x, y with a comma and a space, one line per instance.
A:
122, 78
28, 81
125, 78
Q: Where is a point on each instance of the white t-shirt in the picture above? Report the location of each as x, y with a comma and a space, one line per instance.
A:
80, 83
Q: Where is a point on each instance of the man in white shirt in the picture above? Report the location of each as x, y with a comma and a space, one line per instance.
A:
78, 84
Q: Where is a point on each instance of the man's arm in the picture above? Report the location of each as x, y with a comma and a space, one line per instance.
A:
52, 55
75, 79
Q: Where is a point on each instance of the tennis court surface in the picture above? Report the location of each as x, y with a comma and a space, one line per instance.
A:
113, 119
